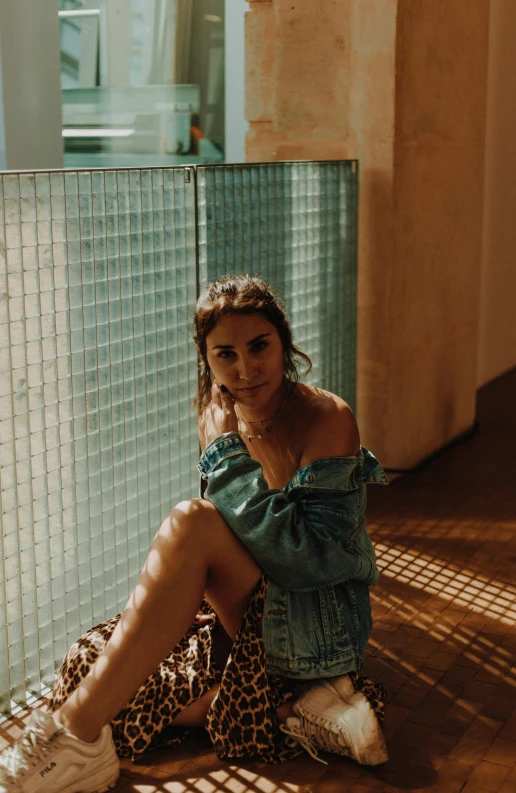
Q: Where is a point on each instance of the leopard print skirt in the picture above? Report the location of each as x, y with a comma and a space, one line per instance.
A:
242, 720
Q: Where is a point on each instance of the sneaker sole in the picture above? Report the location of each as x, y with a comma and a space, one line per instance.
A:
102, 789
94, 784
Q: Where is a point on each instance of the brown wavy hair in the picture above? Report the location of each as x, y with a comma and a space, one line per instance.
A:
242, 294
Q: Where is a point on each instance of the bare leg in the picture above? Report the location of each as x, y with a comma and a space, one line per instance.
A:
194, 552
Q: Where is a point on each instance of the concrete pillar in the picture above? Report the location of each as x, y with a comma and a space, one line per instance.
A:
30, 112
497, 352
234, 86
400, 85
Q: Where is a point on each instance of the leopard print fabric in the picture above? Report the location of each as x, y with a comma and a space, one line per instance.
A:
242, 720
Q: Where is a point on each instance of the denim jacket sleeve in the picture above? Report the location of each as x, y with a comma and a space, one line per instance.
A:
299, 542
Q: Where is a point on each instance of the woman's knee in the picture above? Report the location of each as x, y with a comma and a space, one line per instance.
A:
194, 511
199, 524
192, 521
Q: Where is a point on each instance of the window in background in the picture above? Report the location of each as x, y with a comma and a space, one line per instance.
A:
142, 82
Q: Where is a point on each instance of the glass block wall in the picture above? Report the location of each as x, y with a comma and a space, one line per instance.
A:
97, 374
295, 224
99, 273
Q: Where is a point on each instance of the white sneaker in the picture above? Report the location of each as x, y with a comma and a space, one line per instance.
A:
48, 759
324, 720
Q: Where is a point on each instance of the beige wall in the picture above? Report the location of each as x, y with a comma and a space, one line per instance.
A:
400, 85
497, 348
441, 67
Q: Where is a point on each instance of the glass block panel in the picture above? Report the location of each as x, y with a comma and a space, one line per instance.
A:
99, 273
98, 438
295, 224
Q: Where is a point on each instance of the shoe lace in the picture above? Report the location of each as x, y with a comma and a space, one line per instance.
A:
298, 736
316, 733
25, 753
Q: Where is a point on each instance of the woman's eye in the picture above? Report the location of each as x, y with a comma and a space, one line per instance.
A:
258, 347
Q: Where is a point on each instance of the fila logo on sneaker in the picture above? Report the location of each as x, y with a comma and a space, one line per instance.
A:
47, 769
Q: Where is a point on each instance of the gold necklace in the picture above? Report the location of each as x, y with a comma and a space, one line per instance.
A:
269, 426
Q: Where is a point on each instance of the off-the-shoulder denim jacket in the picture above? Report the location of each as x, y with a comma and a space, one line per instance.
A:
310, 540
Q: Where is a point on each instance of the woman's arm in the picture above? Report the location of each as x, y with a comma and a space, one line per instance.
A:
302, 542
294, 545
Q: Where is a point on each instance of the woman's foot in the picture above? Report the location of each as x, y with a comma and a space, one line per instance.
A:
46, 758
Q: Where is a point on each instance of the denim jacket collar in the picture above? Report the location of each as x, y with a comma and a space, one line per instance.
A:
338, 473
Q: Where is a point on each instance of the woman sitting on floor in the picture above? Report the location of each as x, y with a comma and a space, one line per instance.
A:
275, 556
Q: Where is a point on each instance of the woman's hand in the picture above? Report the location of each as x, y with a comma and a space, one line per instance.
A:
219, 417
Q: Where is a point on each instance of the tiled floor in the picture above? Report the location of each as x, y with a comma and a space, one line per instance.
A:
444, 641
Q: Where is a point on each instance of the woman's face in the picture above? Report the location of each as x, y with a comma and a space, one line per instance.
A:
245, 354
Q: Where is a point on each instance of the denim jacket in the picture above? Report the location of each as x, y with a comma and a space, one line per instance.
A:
310, 540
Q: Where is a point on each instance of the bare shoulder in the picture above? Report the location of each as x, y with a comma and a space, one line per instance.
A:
331, 427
